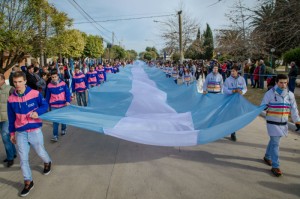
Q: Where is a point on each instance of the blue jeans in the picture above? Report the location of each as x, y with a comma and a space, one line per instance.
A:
81, 96
272, 152
261, 81
292, 84
56, 124
246, 78
252, 79
10, 148
24, 141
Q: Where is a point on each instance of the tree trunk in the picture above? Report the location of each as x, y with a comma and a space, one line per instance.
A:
1, 59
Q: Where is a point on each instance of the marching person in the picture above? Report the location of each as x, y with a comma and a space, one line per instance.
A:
92, 77
24, 107
79, 86
213, 82
234, 84
280, 104
58, 95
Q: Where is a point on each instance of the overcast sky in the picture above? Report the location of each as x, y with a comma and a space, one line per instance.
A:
137, 34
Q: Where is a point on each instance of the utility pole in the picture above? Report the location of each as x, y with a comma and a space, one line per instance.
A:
113, 38
180, 36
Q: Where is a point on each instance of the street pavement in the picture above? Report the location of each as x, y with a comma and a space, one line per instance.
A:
91, 165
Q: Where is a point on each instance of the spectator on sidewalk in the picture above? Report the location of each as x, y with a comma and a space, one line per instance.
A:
251, 72
280, 104
293, 76
5, 92
262, 73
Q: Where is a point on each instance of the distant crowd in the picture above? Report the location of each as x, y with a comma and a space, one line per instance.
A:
253, 71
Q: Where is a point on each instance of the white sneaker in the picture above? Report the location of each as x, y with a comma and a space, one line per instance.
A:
54, 139
64, 132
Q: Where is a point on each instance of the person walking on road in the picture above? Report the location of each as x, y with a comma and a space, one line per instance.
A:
58, 95
234, 84
79, 86
24, 107
280, 104
213, 82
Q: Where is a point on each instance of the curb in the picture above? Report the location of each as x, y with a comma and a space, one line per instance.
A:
291, 126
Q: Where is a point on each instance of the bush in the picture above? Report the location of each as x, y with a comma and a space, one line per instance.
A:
269, 70
176, 57
292, 55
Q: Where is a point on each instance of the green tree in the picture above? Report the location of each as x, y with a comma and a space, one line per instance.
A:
131, 54
208, 43
148, 55
292, 55
118, 52
195, 50
276, 24
59, 22
93, 47
17, 32
150, 52
26, 28
176, 57
72, 43
141, 55
115, 52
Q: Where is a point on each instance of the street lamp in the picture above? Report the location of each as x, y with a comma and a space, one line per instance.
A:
272, 51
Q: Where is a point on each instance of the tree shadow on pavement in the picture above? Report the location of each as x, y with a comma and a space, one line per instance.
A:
16, 185
79, 147
285, 188
226, 161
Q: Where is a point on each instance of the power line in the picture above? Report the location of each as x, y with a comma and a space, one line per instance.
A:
127, 19
90, 16
83, 13
214, 3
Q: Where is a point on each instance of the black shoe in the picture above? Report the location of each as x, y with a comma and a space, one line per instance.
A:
10, 163
277, 172
6, 160
27, 188
47, 168
233, 137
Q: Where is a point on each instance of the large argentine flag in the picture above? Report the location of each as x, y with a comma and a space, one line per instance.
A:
140, 104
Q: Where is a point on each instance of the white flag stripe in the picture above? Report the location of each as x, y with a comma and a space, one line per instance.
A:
150, 120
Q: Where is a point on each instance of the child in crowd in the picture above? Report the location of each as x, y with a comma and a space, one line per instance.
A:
58, 95
79, 86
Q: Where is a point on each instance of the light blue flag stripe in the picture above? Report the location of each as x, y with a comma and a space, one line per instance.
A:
214, 115
108, 103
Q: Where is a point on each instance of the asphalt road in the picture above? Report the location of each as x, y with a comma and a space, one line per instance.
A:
91, 165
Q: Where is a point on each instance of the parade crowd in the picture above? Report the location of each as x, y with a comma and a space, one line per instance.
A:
33, 91
227, 78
